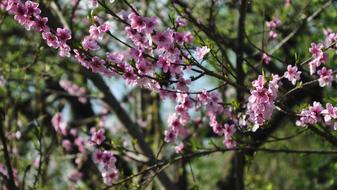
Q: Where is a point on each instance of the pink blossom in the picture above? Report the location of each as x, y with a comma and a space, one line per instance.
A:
97, 136
137, 22
170, 135
216, 127
229, 130
329, 113
40, 24
67, 145
129, 75
97, 64
183, 37
80, 144
163, 39
63, 34
292, 74
272, 35
179, 148
327, 31
266, 58
273, 24
64, 50
182, 84
180, 21
201, 52
151, 23
325, 77
90, 44
110, 176
115, 57
261, 101
32, 8
20, 12
51, 39
316, 49
58, 124
98, 156
96, 32
229, 143
105, 27
108, 160
311, 115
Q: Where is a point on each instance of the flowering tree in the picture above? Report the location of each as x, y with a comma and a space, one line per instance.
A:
132, 95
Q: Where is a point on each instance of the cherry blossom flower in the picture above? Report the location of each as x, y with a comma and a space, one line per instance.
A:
273, 24
63, 34
58, 124
90, 44
51, 39
311, 115
261, 101
97, 136
229, 143
266, 58
170, 135
32, 8
179, 148
325, 77
79, 142
64, 50
229, 130
163, 39
201, 52
40, 24
98, 156
292, 74
110, 176
329, 113
151, 23
137, 22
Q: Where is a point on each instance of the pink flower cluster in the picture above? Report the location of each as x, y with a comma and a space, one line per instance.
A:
319, 57
261, 101
74, 90
316, 113
177, 120
28, 15
107, 162
60, 127
214, 109
330, 39
266, 58
272, 25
